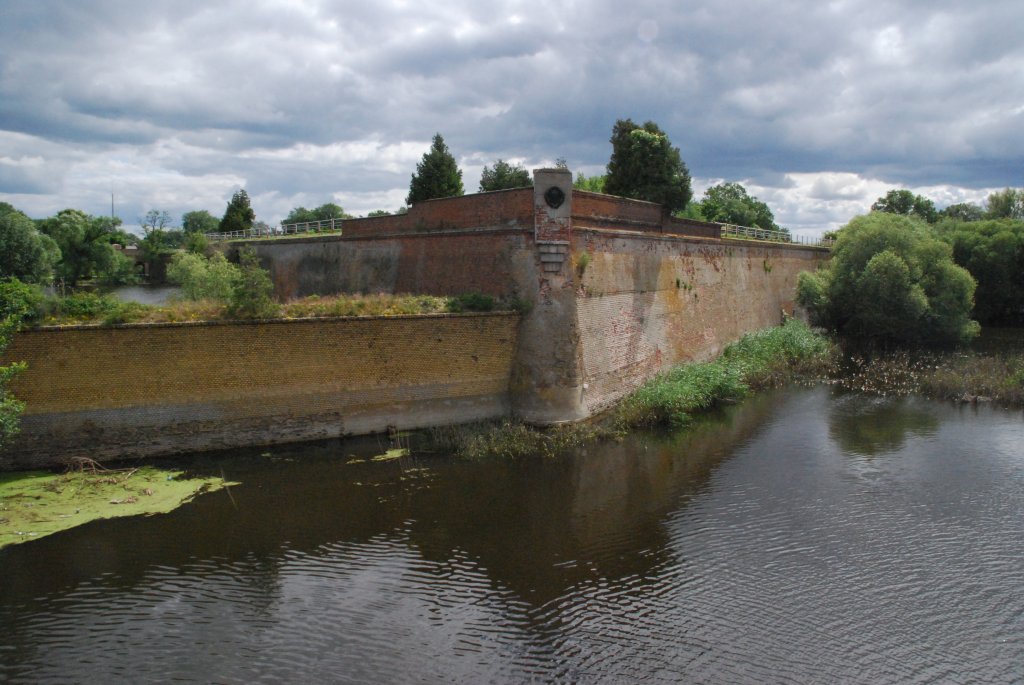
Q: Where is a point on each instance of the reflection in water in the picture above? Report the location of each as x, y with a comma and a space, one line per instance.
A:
744, 550
872, 425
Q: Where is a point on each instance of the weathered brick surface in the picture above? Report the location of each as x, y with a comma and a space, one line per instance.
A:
645, 303
148, 390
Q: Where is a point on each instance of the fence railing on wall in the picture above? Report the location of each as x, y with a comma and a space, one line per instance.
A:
753, 233
325, 226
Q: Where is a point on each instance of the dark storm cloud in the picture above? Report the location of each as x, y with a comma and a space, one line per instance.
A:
177, 103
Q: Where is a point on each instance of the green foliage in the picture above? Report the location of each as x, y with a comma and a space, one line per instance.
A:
10, 406
253, 291
1005, 204
471, 302
593, 184
196, 242
437, 175
203, 279
325, 212
503, 176
239, 215
906, 203
890, 278
729, 203
119, 270
378, 212
25, 253
993, 251
645, 166
20, 301
199, 221
963, 211
758, 359
84, 242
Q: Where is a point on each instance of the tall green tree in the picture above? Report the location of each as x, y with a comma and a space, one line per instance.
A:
644, 165
906, 203
437, 175
729, 203
239, 215
993, 251
25, 253
503, 176
891, 279
84, 241
199, 221
1005, 204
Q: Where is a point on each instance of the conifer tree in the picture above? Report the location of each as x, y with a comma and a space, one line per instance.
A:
503, 176
437, 175
238, 216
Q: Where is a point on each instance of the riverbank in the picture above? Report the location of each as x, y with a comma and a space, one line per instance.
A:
763, 359
963, 375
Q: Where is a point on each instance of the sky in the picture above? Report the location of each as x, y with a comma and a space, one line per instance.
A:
817, 108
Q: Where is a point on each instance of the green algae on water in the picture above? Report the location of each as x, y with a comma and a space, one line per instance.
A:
35, 504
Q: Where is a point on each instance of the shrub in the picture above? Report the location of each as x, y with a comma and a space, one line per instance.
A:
20, 300
891, 279
204, 279
471, 302
252, 293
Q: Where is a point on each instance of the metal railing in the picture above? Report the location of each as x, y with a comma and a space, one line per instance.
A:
753, 233
325, 226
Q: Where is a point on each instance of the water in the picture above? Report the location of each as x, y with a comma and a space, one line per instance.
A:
806, 536
146, 294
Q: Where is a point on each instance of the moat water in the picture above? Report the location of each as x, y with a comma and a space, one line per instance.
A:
808, 535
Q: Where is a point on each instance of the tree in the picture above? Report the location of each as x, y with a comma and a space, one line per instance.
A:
729, 203
1005, 204
891, 279
504, 176
199, 221
963, 211
204, 279
325, 212
252, 293
239, 215
84, 242
437, 175
645, 166
593, 184
906, 203
25, 253
993, 251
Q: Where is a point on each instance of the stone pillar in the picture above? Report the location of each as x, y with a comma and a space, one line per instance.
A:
547, 382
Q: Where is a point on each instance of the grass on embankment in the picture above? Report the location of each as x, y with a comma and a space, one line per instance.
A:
759, 360
86, 308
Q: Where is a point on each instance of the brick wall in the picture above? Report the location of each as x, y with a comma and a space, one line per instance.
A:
148, 390
648, 302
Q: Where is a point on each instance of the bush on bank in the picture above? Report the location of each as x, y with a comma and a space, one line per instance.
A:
891, 279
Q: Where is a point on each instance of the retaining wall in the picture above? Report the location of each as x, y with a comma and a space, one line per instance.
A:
147, 390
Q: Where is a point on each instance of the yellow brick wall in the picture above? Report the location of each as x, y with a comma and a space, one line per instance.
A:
147, 389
